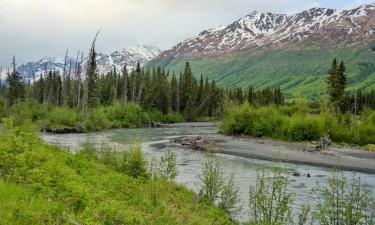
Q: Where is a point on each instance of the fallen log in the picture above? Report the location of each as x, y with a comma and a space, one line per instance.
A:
195, 142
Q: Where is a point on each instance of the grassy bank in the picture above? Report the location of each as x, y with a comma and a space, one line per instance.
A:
299, 122
41, 184
104, 117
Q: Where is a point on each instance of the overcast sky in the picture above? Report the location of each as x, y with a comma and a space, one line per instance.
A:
31, 29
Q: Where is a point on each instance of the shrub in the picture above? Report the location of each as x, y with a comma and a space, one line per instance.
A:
172, 117
270, 202
97, 120
305, 129
2, 109
167, 169
230, 201
212, 178
134, 163
370, 147
63, 117
343, 203
295, 122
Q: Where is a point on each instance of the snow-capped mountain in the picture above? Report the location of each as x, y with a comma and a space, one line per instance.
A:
106, 63
129, 56
32, 70
267, 30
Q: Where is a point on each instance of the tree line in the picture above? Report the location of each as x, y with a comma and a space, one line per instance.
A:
152, 88
341, 100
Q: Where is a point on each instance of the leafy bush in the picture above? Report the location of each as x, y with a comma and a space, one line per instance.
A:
97, 120
167, 169
296, 122
270, 202
215, 186
305, 129
27, 111
63, 117
3, 112
338, 203
134, 163
343, 203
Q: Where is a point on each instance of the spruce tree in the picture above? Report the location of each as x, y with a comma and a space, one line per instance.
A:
16, 90
92, 77
124, 93
174, 90
336, 84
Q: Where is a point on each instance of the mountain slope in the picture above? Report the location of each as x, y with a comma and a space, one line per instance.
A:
291, 51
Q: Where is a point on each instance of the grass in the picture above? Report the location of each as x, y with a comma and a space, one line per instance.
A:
298, 122
41, 184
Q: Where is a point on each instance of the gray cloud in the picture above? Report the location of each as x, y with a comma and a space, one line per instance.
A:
35, 28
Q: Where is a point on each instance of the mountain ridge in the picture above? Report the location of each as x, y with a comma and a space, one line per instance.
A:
117, 59
270, 30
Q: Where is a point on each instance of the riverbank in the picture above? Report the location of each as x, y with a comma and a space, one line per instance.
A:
352, 159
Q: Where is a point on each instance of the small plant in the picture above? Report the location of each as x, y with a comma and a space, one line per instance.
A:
229, 198
370, 147
343, 203
212, 178
216, 188
269, 202
167, 169
134, 163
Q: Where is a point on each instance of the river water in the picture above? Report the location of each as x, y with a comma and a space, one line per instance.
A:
155, 143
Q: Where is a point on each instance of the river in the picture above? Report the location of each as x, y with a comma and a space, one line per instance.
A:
155, 143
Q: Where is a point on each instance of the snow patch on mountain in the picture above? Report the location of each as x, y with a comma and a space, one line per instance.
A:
267, 30
106, 63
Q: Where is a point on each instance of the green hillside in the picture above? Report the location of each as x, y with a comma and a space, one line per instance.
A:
299, 71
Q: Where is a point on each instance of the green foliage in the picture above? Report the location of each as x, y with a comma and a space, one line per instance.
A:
343, 203
3, 112
216, 188
305, 129
27, 111
63, 117
212, 178
229, 198
338, 203
299, 122
97, 120
167, 169
370, 147
270, 202
135, 165
16, 90
41, 184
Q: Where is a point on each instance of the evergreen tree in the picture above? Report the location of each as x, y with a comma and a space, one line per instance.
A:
124, 84
188, 93
200, 95
92, 77
16, 90
174, 90
336, 84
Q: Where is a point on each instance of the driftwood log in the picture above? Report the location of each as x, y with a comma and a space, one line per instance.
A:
158, 125
62, 130
195, 142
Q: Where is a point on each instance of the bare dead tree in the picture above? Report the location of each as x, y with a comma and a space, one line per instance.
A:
64, 80
124, 97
